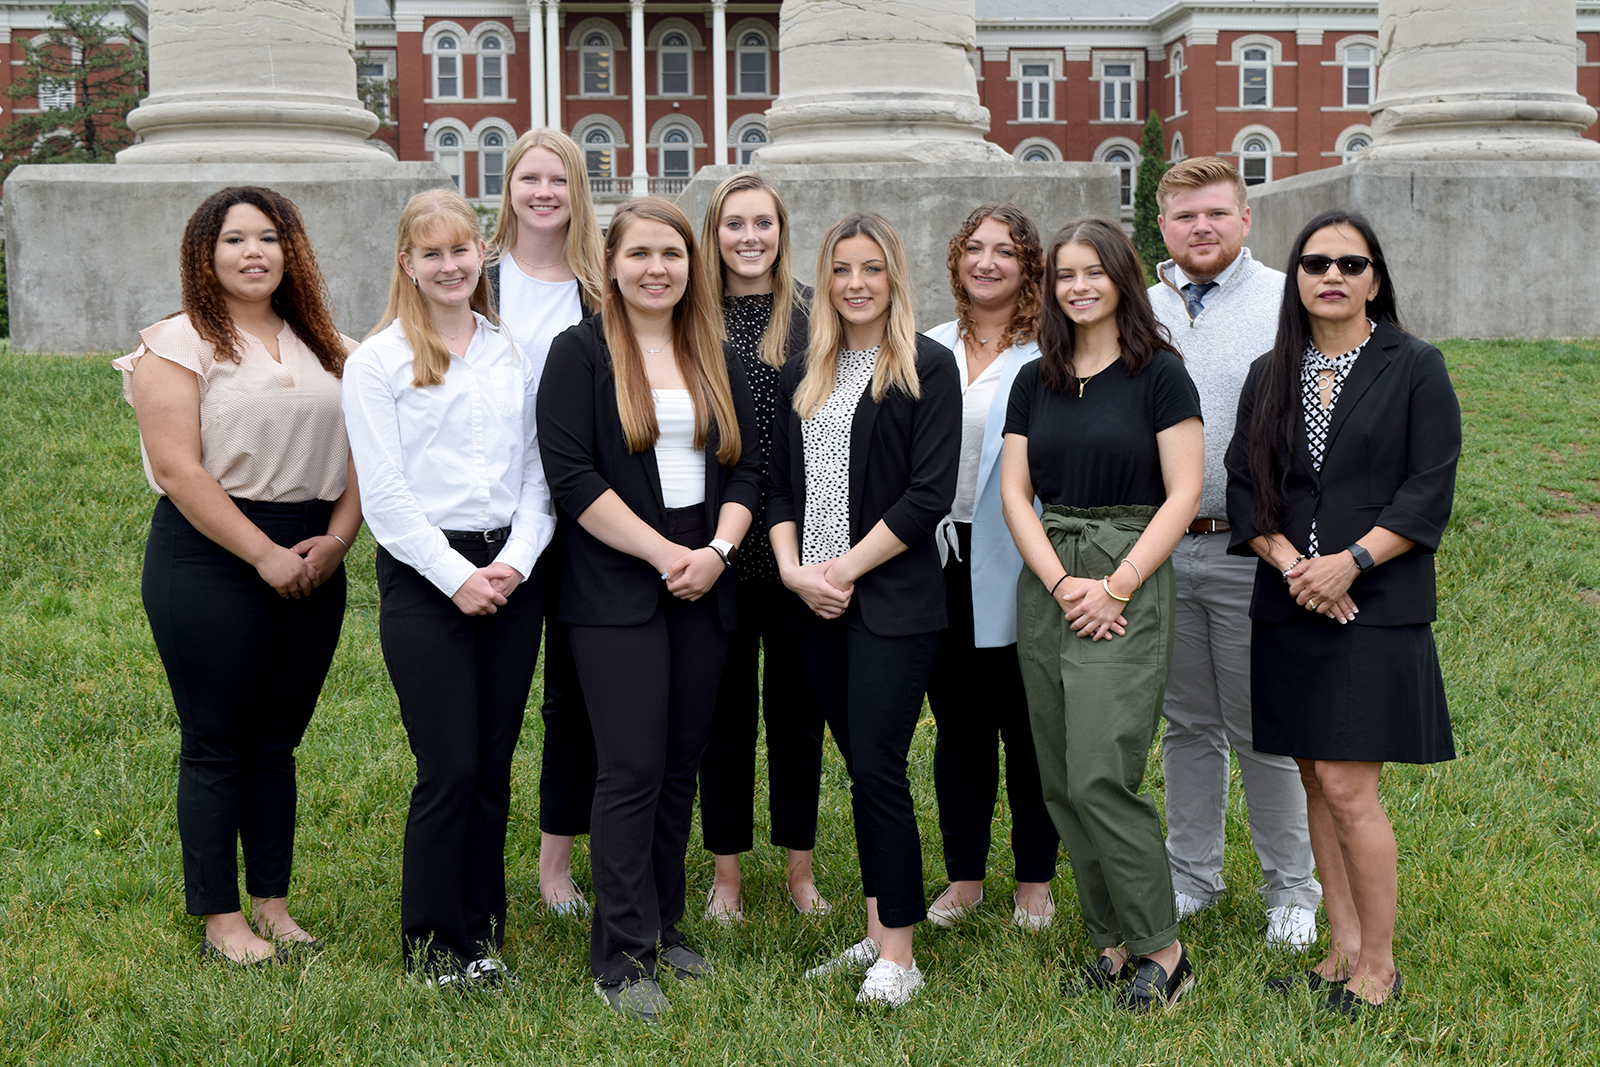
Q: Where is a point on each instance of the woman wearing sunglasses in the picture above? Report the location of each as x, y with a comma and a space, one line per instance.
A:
1341, 475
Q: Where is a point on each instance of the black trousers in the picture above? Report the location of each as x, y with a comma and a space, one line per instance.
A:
462, 681
870, 689
566, 763
977, 699
246, 667
762, 670
650, 690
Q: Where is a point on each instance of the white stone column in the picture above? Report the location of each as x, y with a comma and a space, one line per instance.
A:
552, 64
536, 107
637, 92
270, 81
1472, 79
719, 81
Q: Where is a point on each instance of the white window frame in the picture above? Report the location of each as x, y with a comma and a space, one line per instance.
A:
1036, 89
498, 55
1272, 151
1030, 148
580, 42
1135, 62
686, 51
1341, 144
1274, 49
452, 157
1342, 51
1264, 65
1128, 181
57, 94
1175, 69
451, 52
686, 146
1176, 155
484, 136
737, 34
384, 61
740, 128
616, 140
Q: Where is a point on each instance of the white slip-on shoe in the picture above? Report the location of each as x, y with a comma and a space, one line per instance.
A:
1291, 927
858, 957
950, 914
889, 984
1029, 921
1188, 906
719, 912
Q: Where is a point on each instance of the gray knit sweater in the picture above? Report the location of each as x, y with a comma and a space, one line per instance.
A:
1237, 324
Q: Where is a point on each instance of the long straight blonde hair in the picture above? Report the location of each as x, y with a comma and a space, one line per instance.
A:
896, 366
436, 217
785, 294
696, 342
583, 248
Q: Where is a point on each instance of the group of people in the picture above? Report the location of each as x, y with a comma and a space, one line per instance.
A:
718, 495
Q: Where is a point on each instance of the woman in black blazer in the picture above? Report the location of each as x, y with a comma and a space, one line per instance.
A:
863, 468
1348, 435
649, 444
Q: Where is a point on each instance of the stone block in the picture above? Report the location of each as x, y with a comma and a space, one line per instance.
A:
1476, 248
92, 250
925, 203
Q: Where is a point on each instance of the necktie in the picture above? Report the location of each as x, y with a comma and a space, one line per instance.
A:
1194, 293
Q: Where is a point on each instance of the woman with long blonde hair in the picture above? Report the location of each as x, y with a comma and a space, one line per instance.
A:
855, 541
744, 242
544, 272
649, 439
439, 404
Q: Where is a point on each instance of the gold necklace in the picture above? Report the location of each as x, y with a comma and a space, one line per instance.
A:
537, 266
1082, 381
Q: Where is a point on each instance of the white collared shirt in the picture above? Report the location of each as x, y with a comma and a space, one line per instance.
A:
461, 455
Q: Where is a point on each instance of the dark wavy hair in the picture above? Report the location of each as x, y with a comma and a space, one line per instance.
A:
301, 298
1141, 334
1277, 402
1024, 322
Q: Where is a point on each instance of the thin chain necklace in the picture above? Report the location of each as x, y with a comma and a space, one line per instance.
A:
655, 351
538, 266
1083, 381
458, 333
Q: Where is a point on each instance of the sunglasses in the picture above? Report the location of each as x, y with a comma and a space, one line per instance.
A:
1349, 266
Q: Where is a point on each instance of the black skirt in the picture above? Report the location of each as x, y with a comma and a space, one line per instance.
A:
1324, 691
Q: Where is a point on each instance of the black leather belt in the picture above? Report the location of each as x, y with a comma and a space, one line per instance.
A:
484, 536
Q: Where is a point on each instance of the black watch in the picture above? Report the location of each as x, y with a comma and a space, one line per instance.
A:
727, 550
1363, 558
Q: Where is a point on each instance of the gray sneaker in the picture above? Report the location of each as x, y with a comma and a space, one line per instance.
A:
685, 962
639, 999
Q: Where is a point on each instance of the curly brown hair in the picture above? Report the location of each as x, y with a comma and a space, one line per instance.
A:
301, 298
1024, 322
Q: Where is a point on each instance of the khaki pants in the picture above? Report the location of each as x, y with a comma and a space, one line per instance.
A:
1095, 706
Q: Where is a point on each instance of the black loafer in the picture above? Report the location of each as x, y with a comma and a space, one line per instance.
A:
685, 962
1343, 1001
1154, 989
1097, 977
1310, 980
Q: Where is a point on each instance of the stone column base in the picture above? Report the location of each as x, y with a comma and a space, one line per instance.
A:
1476, 248
92, 250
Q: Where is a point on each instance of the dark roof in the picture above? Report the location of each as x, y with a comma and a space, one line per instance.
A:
1088, 10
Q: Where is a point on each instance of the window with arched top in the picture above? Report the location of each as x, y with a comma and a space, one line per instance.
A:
491, 67
596, 61
1255, 161
750, 141
753, 57
672, 63
1037, 155
1255, 78
599, 154
1358, 80
446, 67
1177, 148
491, 162
1177, 68
677, 153
447, 153
1122, 159
1353, 144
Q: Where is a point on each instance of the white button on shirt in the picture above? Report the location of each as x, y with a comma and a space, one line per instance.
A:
461, 455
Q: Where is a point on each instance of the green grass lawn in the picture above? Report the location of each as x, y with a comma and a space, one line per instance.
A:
1498, 923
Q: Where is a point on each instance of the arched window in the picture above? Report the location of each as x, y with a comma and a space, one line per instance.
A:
1358, 61
491, 68
1353, 144
599, 158
447, 152
1037, 155
754, 62
491, 161
1255, 87
1177, 81
595, 58
446, 67
672, 60
1177, 148
753, 138
677, 153
1122, 159
1255, 161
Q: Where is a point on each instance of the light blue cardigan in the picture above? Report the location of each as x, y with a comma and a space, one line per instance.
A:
995, 559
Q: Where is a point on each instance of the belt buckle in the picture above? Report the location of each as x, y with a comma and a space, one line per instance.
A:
488, 537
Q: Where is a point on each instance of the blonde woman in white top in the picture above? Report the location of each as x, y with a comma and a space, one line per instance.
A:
439, 404
244, 584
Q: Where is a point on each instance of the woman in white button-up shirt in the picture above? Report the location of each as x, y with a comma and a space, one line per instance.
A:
439, 405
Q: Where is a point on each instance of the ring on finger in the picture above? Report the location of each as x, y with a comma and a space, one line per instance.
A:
1312, 604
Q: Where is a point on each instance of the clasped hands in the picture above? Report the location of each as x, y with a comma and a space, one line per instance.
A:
821, 586
690, 573
487, 589
1089, 609
295, 571
1322, 584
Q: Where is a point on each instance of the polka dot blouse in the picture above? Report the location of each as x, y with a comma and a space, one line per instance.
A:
826, 439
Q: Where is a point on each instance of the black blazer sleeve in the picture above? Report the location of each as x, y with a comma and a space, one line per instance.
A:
786, 465
743, 483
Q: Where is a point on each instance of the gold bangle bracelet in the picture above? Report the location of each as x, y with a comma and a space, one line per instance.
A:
1105, 583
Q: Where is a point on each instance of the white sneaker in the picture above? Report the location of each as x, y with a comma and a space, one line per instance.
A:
1188, 905
889, 984
858, 957
1291, 927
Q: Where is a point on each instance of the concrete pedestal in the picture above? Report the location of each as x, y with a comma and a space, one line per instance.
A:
925, 202
92, 251
1476, 248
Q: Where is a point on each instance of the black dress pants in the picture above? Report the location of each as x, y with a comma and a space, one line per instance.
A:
462, 681
246, 667
870, 689
650, 690
977, 699
566, 763
762, 670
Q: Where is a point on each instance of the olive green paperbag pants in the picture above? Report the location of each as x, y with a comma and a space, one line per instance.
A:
1094, 707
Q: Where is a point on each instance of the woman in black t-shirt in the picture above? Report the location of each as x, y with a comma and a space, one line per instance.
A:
1105, 430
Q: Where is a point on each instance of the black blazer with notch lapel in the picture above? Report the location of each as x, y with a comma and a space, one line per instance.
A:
1390, 461
904, 455
585, 453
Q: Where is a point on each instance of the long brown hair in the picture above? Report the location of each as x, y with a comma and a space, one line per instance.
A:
896, 366
1024, 322
301, 298
438, 216
1141, 335
785, 293
696, 343
583, 247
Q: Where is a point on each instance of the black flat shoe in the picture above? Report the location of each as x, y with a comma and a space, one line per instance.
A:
1097, 977
1343, 1001
1310, 980
1153, 989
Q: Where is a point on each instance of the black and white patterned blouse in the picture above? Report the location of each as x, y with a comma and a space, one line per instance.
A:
746, 319
826, 439
1318, 418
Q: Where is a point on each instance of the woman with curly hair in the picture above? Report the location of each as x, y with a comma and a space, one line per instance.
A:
996, 268
244, 585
